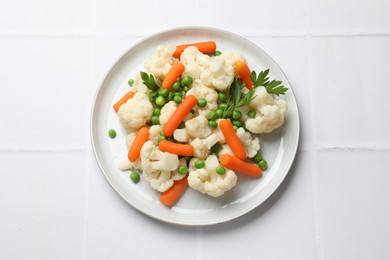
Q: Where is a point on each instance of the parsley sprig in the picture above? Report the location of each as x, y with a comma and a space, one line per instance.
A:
237, 98
273, 87
148, 80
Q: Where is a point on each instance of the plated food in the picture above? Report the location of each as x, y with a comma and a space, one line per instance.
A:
193, 116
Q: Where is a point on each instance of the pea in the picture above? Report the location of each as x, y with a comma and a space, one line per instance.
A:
182, 125
213, 124
155, 120
228, 114
263, 164
170, 96
237, 123
199, 164
163, 92
153, 95
223, 106
186, 89
131, 82
221, 170
134, 176
212, 115
176, 86
235, 128
177, 99
221, 97
112, 133
177, 94
258, 157
183, 170
251, 113
236, 114
217, 53
160, 138
202, 102
156, 111
219, 113
160, 101
186, 81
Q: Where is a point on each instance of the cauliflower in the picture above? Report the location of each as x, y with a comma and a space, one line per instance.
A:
136, 112
270, 113
198, 127
130, 139
160, 63
202, 146
221, 74
199, 90
225, 150
166, 112
252, 146
127, 165
181, 135
232, 58
158, 166
206, 180
195, 62
217, 131
175, 174
139, 86
154, 133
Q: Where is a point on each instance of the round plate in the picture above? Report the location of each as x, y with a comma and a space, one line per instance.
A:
193, 208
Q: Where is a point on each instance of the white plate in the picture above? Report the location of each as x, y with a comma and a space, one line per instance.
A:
193, 208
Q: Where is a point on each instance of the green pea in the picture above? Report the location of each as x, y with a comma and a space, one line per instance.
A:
170, 96
186, 89
177, 99
182, 125
219, 113
228, 114
131, 82
263, 164
112, 133
186, 81
221, 97
183, 170
213, 124
251, 113
153, 95
134, 176
160, 138
237, 123
235, 128
223, 106
156, 111
221, 170
163, 92
160, 101
212, 115
202, 102
155, 120
176, 86
258, 157
199, 164
236, 114
177, 94
217, 53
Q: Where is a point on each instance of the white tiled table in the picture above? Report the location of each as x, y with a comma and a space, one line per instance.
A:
55, 203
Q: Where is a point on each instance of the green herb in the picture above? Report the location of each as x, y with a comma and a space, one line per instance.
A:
237, 98
273, 87
148, 80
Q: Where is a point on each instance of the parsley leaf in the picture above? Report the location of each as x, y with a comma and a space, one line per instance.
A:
148, 80
261, 80
273, 87
237, 98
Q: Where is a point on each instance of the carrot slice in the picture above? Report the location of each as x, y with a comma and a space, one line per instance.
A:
232, 139
235, 164
245, 73
175, 71
135, 149
180, 113
204, 47
123, 100
175, 148
169, 197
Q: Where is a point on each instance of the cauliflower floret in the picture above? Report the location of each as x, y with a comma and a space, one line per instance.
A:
252, 146
175, 174
138, 86
127, 165
158, 166
195, 62
270, 113
197, 127
181, 135
166, 112
202, 146
199, 90
136, 112
130, 139
217, 131
232, 58
154, 133
221, 74
206, 180
160, 63
225, 149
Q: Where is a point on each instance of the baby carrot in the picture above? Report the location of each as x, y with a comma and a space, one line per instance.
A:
232, 139
175, 148
140, 139
245, 73
176, 70
180, 113
204, 47
235, 164
123, 100
169, 197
